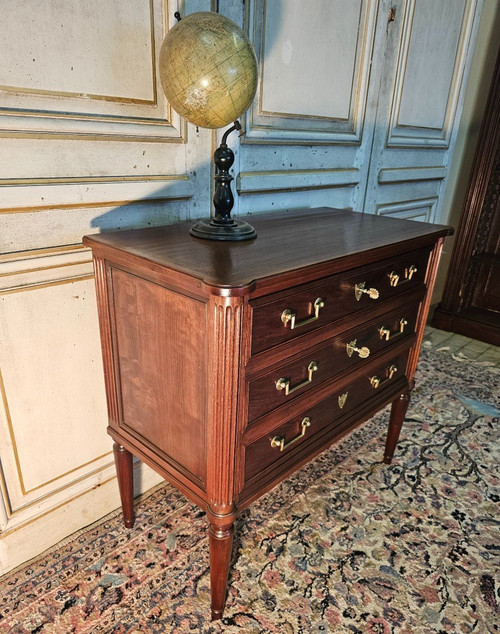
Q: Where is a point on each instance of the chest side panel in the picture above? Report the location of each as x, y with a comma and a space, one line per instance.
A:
160, 353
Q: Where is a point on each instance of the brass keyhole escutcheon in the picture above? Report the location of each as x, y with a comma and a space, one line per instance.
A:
351, 348
361, 289
342, 399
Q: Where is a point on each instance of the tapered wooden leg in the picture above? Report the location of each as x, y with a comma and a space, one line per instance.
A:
221, 544
398, 412
124, 471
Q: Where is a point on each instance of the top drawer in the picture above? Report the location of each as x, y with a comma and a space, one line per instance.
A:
284, 316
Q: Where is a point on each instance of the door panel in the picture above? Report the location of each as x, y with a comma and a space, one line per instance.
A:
430, 68
95, 74
302, 95
427, 55
326, 89
309, 130
85, 128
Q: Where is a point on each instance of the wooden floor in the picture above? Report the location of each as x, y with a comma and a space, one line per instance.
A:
462, 347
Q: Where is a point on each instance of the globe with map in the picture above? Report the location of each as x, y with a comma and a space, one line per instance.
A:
208, 69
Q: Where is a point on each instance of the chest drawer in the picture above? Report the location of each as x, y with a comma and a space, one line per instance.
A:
304, 308
270, 450
351, 349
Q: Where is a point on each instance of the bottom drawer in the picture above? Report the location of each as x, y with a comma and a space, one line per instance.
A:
277, 446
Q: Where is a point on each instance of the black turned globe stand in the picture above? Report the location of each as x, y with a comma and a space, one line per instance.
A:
222, 226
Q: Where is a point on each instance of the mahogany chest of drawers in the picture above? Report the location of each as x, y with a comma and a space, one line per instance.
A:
230, 365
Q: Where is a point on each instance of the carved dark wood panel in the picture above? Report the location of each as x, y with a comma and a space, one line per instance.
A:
471, 301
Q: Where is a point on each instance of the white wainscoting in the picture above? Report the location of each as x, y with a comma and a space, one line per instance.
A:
53, 411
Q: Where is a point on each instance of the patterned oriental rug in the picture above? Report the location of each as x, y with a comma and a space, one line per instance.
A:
347, 544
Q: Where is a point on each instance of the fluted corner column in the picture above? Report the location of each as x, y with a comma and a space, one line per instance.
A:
225, 340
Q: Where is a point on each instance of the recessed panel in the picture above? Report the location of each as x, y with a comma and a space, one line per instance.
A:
431, 59
420, 210
97, 47
84, 69
315, 61
309, 57
160, 346
53, 387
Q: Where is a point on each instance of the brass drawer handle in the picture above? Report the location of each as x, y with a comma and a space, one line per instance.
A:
279, 441
284, 384
395, 280
375, 382
386, 334
359, 289
362, 352
288, 315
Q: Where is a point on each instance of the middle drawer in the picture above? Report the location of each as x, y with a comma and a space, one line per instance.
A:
304, 372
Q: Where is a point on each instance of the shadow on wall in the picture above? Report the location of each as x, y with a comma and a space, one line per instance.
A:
164, 201
181, 198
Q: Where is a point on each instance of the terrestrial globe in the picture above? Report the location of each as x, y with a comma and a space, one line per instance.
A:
208, 69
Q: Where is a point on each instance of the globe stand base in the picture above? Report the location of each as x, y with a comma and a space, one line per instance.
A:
222, 226
236, 230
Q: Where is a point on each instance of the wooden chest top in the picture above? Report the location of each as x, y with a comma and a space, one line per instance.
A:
286, 242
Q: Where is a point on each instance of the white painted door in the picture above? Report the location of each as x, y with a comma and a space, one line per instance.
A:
358, 103
421, 92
